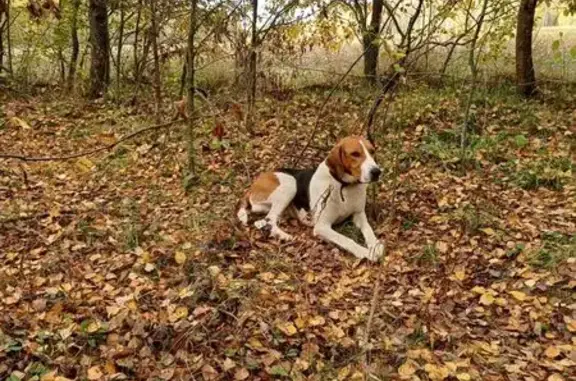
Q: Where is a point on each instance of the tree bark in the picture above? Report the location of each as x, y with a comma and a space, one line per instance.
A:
371, 45
154, 37
100, 49
191, 71
525, 75
119, 49
252, 69
4, 22
75, 44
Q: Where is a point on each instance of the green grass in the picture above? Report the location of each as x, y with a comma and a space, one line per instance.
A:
555, 248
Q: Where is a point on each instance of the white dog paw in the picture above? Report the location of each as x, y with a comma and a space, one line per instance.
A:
261, 224
375, 252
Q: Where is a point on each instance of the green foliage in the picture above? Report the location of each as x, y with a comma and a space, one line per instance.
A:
555, 248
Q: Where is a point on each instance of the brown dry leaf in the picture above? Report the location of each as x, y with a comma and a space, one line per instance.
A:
241, 374
406, 370
228, 364
555, 377
442, 247
208, 372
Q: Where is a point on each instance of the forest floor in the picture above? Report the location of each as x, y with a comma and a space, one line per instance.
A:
109, 269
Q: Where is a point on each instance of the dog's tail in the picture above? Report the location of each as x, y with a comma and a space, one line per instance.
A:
243, 208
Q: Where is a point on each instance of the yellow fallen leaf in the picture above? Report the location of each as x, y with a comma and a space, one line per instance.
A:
463, 377
436, 372
287, 328
555, 377
460, 274
406, 370
487, 299
518, 295
84, 164
316, 321
15, 122
95, 373
552, 352
180, 257
479, 290
488, 231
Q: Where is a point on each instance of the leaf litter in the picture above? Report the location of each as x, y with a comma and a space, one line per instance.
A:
109, 270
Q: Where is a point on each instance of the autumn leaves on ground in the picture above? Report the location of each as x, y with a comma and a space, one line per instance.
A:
111, 269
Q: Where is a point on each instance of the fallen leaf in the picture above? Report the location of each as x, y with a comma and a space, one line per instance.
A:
316, 321
487, 299
228, 364
463, 377
180, 257
287, 328
518, 295
552, 352
555, 377
406, 370
208, 372
241, 374
95, 373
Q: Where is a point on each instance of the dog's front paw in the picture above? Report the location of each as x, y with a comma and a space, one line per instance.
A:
375, 251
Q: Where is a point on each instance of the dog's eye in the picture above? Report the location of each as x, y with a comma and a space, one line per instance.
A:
356, 154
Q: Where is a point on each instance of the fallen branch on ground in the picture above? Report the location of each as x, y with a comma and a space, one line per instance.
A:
93, 151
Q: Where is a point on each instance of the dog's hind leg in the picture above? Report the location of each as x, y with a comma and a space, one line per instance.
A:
279, 201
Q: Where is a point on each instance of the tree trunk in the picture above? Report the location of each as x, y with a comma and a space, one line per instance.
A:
75, 44
191, 71
157, 84
252, 69
136, 35
4, 22
371, 45
100, 48
120, 44
525, 76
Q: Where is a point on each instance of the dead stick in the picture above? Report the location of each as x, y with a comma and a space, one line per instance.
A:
90, 152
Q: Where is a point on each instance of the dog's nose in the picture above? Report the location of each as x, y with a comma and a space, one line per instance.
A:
375, 173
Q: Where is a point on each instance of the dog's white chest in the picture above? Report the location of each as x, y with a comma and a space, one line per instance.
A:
332, 203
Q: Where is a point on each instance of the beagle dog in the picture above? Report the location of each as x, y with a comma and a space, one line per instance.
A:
332, 192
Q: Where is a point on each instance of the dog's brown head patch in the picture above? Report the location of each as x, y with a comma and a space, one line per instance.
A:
346, 158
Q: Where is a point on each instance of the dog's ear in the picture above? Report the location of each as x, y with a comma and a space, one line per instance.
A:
335, 162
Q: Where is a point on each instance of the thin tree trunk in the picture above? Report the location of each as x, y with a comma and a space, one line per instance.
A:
371, 46
136, 35
191, 133
120, 44
9, 37
252, 68
75, 44
157, 85
473, 63
525, 75
4, 22
100, 52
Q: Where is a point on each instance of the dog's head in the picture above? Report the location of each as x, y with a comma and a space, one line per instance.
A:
351, 161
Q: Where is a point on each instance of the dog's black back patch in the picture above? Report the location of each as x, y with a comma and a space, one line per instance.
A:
303, 177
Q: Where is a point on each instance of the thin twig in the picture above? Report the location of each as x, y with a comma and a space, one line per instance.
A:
93, 151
